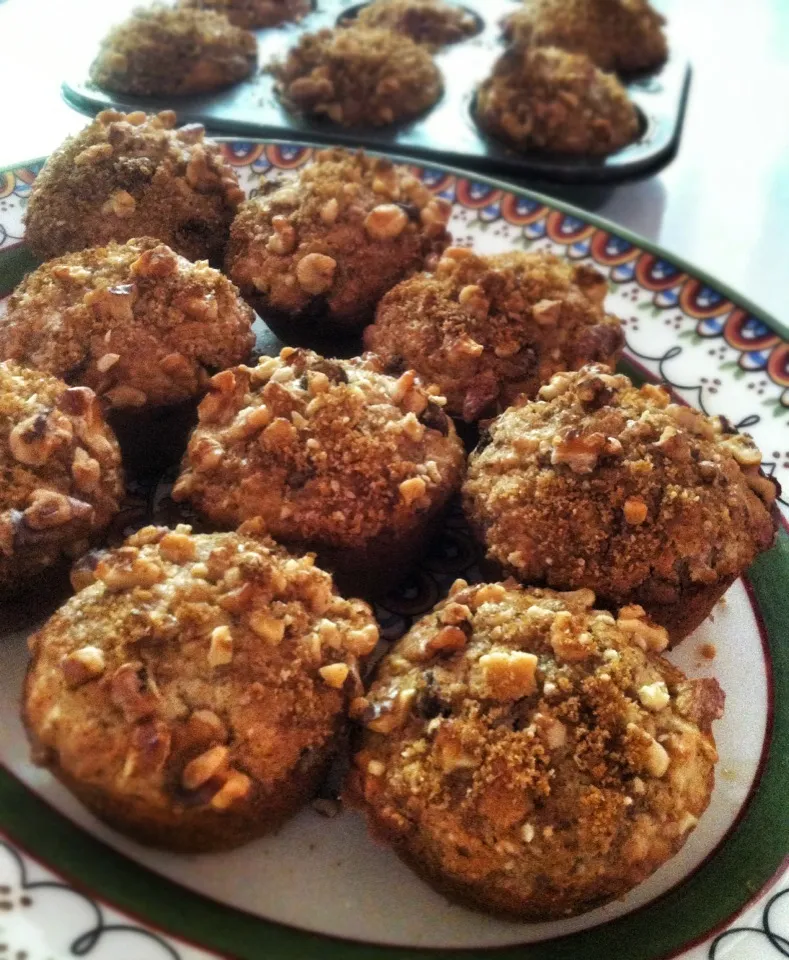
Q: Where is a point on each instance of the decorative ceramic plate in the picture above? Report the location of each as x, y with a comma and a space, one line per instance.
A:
320, 889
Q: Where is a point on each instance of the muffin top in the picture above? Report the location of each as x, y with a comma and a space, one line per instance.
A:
160, 51
137, 323
532, 753
342, 234
61, 471
432, 22
486, 329
358, 76
332, 451
623, 35
193, 669
602, 484
543, 98
130, 175
255, 13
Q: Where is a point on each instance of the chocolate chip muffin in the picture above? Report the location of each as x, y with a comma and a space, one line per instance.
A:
129, 175
358, 76
547, 100
621, 35
164, 52
315, 256
532, 756
61, 471
487, 329
600, 484
193, 690
332, 455
252, 14
432, 22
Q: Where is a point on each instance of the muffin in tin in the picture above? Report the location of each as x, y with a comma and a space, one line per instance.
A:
333, 455
61, 470
163, 52
547, 100
622, 35
532, 756
358, 76
432, 22
600, 484
252, 14
489, 328
132, 175
193, 690
137, 323
315, 255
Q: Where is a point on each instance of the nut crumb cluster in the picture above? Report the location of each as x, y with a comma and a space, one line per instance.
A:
252, 14
533, 755
159, 51
601, 484
327, 246
357, 76
132, 175
546, 99
193, 689
432, 22
61, 469
487, 329
136, 322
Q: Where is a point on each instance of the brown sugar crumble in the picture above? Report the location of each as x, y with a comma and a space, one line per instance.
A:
544, 763
432, 22
488, 329
252, 14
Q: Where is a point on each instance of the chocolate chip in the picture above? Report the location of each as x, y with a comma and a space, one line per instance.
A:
434, 418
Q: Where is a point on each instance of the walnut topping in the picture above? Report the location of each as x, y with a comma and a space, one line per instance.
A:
177, 547
149, 749
315, 273
580, 453
447, 641
335, 674
506, 675
120, 203
131, 693
567, 643
49, 509
390, 714
412, 489
743, 450
33, 441
654, 696
635, 511
125, 569
283, 240
220, 651
107, 362
237, 787
204, 767
546, 312
362, 642
386, 221
455, 613
657, 759
488, 593
267, 628
83, 665
648, 636
473, 298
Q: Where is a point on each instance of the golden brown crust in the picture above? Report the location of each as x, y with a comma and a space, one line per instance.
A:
61, 471
545, 99
128, 175
164, 52
487, 329
358, 76
530, 755
135, 322
329, 453
252, 14
603, 485
622, 35
432, 22
193, 690
328, 245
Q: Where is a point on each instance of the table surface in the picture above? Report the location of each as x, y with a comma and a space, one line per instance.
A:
723, 204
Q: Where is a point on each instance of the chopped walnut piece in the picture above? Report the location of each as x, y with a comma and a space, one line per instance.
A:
335, 674
131, 693
506, 675
238, 786
385, 221
149, 749
204, 767
315, 273
267, 627
446, 642
220, 651
654, 696
83, 665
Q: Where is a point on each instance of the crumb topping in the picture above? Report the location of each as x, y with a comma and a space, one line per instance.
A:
487, 329
543, 98
432, 22
191, 670
357, 76
135, 322
605, 485
503, 760
255, 13
328, 451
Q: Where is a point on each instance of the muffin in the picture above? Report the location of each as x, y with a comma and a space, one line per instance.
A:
432, 22
128, 175
61, 469
316, 255
358, 76
333, 455
487, 329
603, 485
545, 99
163, 52
532, 756
193, 691
255, 13
622, 35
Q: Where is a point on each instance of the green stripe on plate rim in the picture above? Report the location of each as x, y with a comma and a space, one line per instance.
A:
737, 871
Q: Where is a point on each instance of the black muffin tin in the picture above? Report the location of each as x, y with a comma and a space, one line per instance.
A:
447, 133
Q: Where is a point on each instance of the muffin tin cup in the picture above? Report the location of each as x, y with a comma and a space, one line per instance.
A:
448, 133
